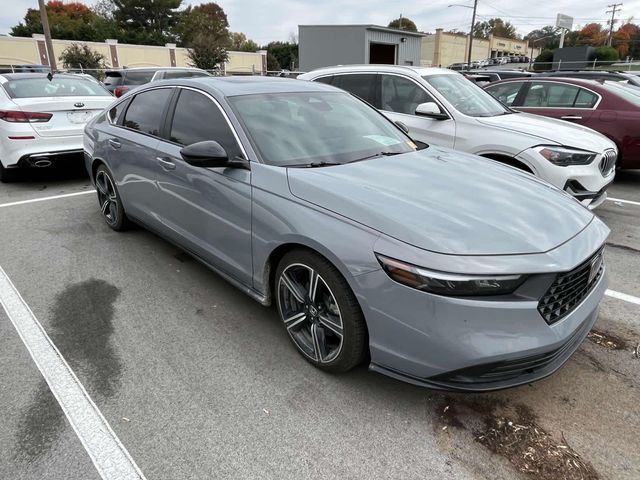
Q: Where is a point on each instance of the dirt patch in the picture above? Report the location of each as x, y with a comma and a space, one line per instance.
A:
606, 340
512, 432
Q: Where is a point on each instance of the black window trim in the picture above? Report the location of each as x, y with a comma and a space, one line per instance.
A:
169, 113
120, 123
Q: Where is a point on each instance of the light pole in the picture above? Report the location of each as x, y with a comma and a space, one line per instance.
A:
473, 24
47, 36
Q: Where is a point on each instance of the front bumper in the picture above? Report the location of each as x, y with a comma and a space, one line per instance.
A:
472, 344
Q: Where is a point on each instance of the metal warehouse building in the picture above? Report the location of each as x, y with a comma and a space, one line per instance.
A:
326, 45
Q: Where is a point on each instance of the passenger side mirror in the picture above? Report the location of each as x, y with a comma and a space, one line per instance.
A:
207, 154
431, 110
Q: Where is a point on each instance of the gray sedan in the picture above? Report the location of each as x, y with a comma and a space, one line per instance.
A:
438, 268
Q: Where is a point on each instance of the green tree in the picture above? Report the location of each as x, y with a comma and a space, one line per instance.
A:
545, 37
286, 54
82, 56
150, 22
495, 26
240, 43
205, 54
604, 55
68, 21
272, 62
208, 20
544, 61
403, 23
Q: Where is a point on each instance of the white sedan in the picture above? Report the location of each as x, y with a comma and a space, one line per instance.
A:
42, 119
442, 107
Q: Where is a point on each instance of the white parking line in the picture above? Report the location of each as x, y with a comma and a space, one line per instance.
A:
44, 199
630, 202
107, 453
623, 296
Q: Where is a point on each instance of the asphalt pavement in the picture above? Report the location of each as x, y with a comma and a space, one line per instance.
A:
198, 381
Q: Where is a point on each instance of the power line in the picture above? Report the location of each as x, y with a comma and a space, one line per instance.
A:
613, 8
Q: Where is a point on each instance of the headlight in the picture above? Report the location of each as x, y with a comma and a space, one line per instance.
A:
565, 157
449, 284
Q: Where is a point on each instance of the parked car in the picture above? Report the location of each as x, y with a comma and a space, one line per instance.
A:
597, 75
305, 197
440, 106
121, 81
41, 120
457, 67
495, 75
610, 108
26, 68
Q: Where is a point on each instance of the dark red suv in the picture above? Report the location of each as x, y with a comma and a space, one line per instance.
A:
611, 108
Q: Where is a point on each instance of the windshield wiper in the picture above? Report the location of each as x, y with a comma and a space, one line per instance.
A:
315, 164
375, 155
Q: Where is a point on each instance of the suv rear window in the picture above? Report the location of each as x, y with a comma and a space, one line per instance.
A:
138, 77
112, 78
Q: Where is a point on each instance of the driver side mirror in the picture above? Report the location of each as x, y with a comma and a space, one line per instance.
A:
207, 154
431, 110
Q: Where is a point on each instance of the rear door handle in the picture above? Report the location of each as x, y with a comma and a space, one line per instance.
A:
114, 143
166, 164
571, 117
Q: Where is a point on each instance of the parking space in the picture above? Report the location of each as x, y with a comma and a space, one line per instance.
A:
199, 381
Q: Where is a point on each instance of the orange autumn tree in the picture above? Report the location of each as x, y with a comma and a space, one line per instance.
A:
592, 35
623, 38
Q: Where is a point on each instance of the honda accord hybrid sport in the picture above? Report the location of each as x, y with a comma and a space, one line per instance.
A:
440, 268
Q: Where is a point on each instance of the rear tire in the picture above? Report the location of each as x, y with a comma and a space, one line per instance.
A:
7, 175
320, 312
109, 200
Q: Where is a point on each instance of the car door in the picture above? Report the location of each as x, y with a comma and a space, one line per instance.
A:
399, 98
132, 152
558, 100
206, 210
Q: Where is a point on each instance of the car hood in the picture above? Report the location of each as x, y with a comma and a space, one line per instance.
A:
447, 202
551, 130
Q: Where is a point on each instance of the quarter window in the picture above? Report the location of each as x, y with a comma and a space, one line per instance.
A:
328, 80
197, 119
586, 99
401, 95
145, 111
361, 85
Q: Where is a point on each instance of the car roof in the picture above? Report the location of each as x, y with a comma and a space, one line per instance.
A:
247, 85
18, 76
386, 68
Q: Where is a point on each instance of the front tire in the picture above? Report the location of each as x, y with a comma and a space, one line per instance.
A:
110, 201
320, 312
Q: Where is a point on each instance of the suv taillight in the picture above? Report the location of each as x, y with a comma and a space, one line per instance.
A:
121, 90
16, 116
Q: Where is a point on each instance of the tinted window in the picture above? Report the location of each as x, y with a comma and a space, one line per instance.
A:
138, 77
328, 80
145, 111
116, 112
505, 92
182, 74
551, 95
58, 86
401, 95
363, 86
197, 119
585, 99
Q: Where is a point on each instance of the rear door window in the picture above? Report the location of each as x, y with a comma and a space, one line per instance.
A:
361, 85
145, 111
401, 95
138, 77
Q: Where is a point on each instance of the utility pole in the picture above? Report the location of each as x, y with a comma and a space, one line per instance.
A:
613, 10
473, 24
47, 36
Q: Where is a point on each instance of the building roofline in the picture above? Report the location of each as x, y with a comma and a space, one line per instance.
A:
370, 26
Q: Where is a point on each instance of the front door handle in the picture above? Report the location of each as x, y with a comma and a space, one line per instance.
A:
114, 143
166, 164
570, 117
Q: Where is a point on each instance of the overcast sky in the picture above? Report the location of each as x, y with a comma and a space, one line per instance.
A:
266, 20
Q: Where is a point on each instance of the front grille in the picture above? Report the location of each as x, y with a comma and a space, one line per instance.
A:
608, 162
570, 288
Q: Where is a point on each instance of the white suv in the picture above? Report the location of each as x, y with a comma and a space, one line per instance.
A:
442, 107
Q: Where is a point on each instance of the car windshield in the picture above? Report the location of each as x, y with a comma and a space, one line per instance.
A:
316, 128
628, 92
58, 86
466, 96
